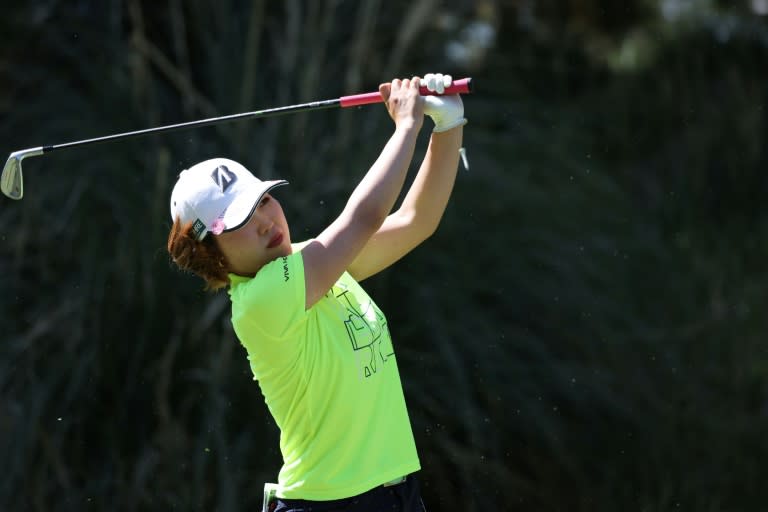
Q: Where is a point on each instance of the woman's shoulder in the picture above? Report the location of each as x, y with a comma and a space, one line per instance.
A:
298, 246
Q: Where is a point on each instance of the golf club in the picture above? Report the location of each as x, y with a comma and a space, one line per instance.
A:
12, 182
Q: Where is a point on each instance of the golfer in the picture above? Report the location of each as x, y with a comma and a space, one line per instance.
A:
317, 344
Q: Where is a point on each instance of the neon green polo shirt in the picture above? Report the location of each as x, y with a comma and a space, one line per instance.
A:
330, 380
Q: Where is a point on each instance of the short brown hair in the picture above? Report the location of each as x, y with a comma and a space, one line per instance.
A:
201, 257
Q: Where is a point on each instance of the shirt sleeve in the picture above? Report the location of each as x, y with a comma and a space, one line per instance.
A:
273, 302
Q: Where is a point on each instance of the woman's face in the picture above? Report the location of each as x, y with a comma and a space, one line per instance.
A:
262, 239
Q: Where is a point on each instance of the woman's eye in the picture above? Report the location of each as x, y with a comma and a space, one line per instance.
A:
264, 200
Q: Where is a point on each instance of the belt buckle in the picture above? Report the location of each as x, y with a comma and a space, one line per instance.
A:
396, 481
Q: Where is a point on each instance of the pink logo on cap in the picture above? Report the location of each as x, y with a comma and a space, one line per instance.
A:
217, 227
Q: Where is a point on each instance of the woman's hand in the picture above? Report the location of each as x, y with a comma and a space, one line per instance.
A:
447, 112
404, 103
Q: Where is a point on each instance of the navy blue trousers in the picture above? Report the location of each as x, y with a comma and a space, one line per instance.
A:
404, 497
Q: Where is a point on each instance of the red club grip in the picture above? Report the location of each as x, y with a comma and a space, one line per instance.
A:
463, 86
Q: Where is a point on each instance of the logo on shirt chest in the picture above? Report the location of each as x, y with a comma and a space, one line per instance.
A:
367, 329
286, 274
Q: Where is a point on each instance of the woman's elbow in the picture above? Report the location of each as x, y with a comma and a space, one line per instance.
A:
420, 227
431, 228
427, 226
368, 219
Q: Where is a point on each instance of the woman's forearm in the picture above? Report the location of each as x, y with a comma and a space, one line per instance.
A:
428, 196
377, 192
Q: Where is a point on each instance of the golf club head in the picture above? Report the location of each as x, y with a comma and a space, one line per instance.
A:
12, 181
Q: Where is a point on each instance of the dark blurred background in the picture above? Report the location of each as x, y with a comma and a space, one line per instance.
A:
585, 332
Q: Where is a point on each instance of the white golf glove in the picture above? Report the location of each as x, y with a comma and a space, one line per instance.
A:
446, 111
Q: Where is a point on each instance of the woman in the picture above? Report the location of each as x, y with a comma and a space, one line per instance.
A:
317, 344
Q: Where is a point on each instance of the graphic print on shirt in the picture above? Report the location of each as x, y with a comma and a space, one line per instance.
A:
367, 331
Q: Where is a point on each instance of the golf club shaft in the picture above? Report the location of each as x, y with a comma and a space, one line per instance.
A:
12, 181
461, 86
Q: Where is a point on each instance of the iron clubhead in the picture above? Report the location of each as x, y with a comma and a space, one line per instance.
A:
12, 181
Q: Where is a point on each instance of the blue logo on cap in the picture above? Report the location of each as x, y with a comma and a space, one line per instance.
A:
223, 177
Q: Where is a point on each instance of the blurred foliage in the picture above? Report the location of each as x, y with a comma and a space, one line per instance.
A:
586, 331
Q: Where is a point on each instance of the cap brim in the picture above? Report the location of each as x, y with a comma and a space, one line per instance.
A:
239, 212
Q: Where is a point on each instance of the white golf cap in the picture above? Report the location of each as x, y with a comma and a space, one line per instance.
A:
217, 195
